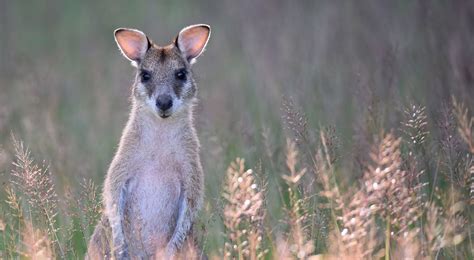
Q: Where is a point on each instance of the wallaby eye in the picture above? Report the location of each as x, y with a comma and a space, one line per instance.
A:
181, 74
145, 76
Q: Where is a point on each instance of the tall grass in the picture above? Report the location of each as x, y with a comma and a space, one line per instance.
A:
395, 210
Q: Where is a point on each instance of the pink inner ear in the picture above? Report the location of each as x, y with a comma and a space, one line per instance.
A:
193, 40
132, 43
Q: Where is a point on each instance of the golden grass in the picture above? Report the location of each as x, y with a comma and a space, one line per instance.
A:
395, 210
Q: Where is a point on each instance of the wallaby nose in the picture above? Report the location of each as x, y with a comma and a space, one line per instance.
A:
164, 102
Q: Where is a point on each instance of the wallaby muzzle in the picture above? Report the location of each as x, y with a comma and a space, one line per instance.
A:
164, 103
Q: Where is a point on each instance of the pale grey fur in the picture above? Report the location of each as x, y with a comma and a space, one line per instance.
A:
154, 185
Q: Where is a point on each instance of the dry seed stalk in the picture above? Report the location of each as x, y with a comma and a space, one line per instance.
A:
243, 213
36, 182
300, 245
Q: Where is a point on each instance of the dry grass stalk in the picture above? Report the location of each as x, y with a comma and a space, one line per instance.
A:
296, 121
415, 125
355, 233
300, 245
386, 194
357, 237
267, 142
386, 185
433, 229
15, 223
37, 184
324, 168
408, 246
90, 203
35, 244
471, 190
14, 202
84, 209
465, 130
450, 142
282, 250
465, 124
444, 228
291, 162
464, 179
243, 213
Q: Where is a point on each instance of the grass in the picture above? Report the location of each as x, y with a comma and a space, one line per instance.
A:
395, 210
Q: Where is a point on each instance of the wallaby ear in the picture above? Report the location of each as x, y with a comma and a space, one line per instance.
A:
192, 40
133, 43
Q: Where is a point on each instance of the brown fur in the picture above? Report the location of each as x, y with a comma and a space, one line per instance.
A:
154, 186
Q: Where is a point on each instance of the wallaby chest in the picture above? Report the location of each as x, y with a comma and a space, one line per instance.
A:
157, 168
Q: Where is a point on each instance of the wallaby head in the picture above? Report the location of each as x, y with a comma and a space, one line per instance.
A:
164, 82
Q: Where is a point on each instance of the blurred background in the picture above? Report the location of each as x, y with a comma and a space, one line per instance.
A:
64, 87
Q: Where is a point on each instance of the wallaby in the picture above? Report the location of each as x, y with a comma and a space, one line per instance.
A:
154, 185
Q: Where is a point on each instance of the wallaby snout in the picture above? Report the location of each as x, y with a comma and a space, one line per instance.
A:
164, 102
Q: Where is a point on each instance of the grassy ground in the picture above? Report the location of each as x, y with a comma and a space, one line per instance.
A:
344, 112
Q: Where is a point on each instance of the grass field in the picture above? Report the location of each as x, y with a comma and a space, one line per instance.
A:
328, 129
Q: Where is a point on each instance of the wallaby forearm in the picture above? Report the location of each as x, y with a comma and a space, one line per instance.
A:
115, 195
190, 205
